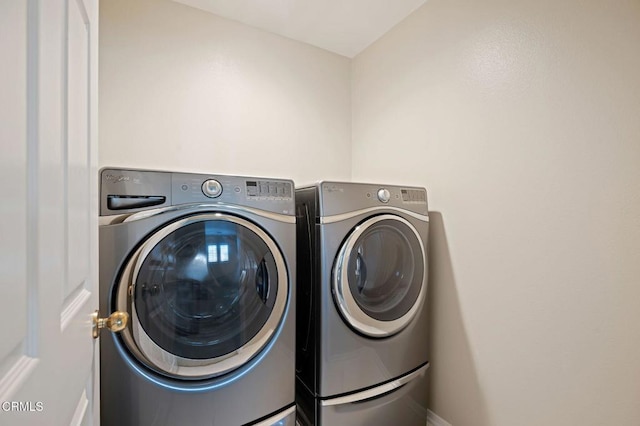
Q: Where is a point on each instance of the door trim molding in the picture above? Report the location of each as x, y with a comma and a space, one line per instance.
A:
17, 374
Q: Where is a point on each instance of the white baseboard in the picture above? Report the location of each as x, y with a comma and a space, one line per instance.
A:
434, 420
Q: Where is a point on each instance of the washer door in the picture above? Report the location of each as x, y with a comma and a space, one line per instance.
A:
379, 276
205, 294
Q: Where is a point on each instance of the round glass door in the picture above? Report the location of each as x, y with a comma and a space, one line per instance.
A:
379, 277
205, 295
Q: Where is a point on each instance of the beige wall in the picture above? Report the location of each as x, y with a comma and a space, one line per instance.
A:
182, 89
523, 121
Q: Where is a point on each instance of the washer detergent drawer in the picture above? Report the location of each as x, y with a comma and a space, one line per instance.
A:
402, 402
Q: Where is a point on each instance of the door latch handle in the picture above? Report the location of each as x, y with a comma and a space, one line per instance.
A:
115, 322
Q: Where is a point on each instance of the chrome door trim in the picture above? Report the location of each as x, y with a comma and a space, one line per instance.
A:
348, 306
278, 417
154, 356
378, 390
349, 215
132, 217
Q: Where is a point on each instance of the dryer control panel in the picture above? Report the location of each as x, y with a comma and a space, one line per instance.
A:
343, 197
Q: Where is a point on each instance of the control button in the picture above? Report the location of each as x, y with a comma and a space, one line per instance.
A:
384, 195
252, 188
211, 188
185, 187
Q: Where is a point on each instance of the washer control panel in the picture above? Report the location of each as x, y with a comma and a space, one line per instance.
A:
211, 188
127, 190
275, 195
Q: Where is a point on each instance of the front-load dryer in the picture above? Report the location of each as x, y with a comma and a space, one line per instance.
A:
362, 352
204, 265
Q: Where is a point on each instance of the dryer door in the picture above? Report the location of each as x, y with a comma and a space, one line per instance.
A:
205, 294
379, 277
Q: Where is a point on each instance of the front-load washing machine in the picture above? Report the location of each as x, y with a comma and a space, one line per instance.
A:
362, 352
204, 265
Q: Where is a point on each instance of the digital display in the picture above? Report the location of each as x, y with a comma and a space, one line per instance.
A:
413, 195
270, 189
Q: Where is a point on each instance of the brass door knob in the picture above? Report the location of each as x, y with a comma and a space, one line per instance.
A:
116, 322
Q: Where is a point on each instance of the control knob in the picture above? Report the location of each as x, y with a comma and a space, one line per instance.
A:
384, 195
211, 188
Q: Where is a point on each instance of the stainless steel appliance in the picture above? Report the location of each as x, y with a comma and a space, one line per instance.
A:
204, 265
362, 352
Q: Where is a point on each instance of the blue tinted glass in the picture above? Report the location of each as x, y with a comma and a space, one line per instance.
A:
204, 290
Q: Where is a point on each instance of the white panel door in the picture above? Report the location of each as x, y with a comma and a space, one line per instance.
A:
48, 234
